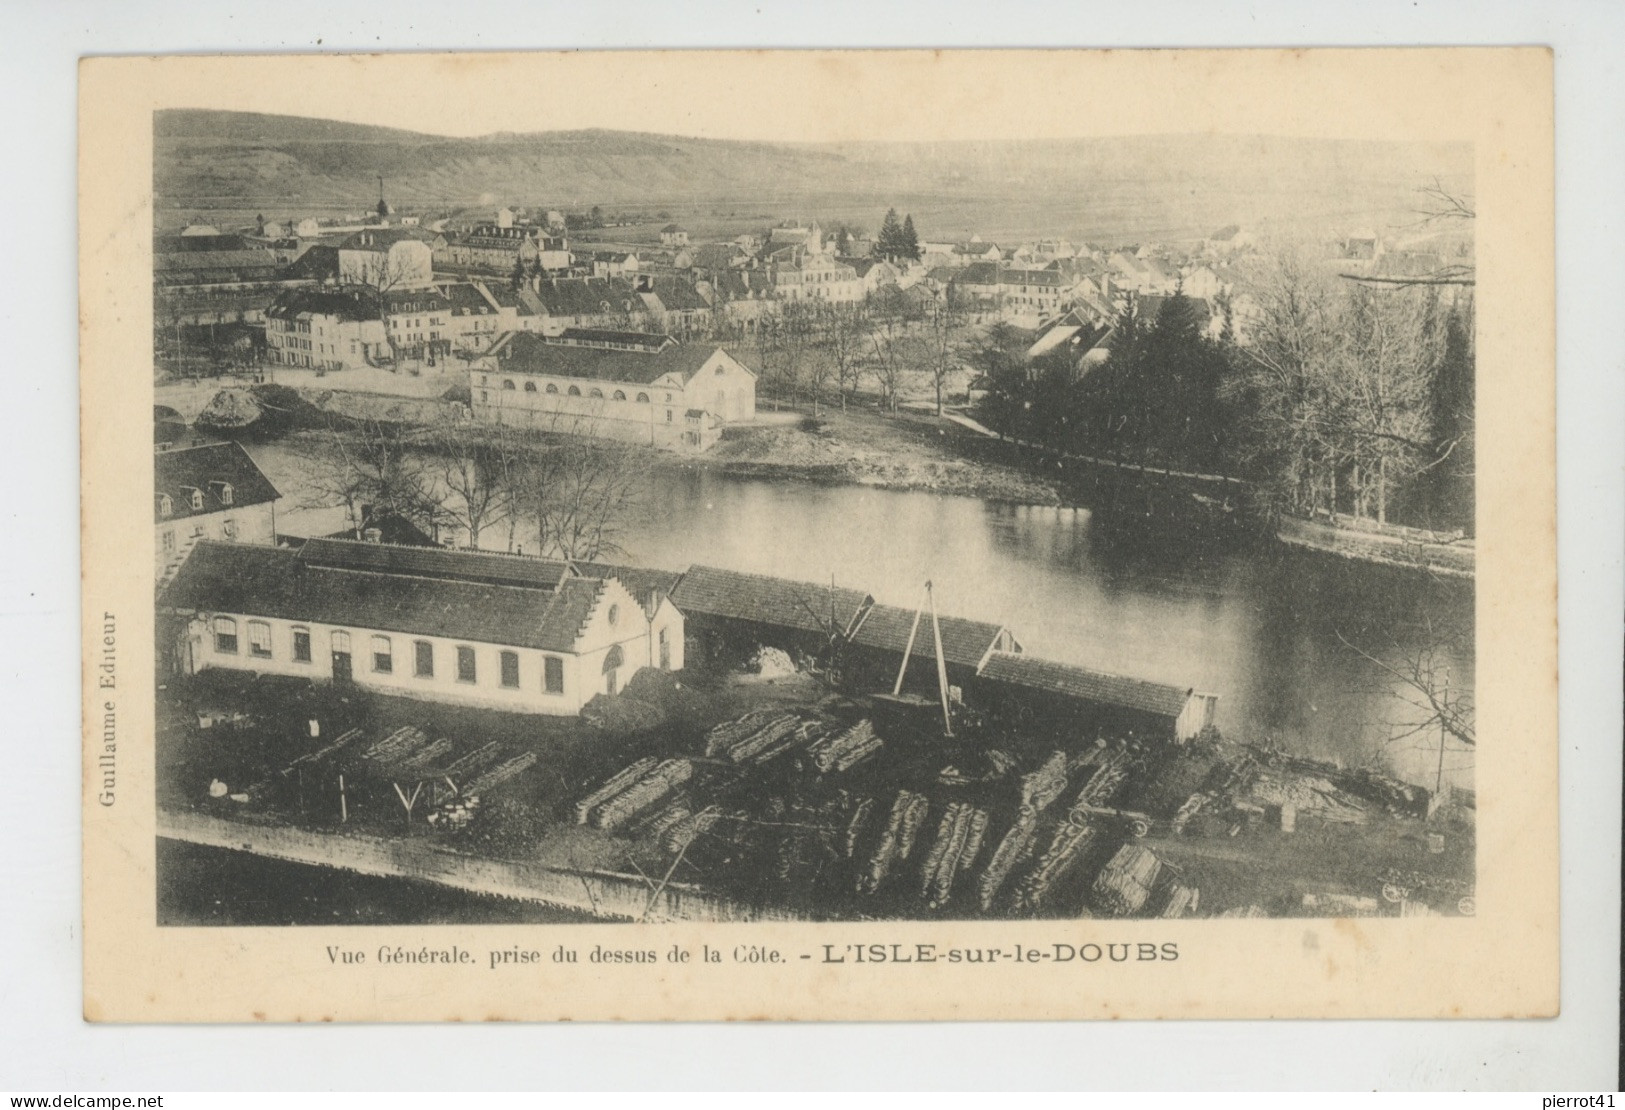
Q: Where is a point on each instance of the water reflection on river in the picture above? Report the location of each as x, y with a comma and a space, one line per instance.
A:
1259, 626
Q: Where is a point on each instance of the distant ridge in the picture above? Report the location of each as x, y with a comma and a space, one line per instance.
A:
216, 160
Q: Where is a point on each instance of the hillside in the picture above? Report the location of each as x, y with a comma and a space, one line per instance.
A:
1102, 187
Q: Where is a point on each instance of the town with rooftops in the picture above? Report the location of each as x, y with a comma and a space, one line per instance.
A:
927, 541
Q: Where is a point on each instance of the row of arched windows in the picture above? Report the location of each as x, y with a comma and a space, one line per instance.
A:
575, 391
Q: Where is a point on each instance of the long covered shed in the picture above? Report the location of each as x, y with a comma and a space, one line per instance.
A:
1081, 702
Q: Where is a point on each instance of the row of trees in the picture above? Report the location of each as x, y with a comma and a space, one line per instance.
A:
809, 349
566, 499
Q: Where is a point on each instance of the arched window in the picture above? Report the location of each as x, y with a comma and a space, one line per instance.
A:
507, 383
551, 388
613, 659
619, 395
530, 387
644, 397
574, 391
341, 643
595, 392
383, 655
225, 635
259, 639
197, 500
225, 493
614, 615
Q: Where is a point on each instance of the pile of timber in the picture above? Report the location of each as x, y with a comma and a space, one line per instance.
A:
420, 761
472, 763
317, 756
856, 824
1014, 847
959, 839
392, 753
1109, 774
1181, 901
776, 736
908, 813
722, 739
501, 773
642, 795
659, 819
1125, 883
680, 834
615, 784
1041, 787
845, 750
1192, 806
1071, 837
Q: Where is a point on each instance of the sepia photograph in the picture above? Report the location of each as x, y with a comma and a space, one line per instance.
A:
568, 523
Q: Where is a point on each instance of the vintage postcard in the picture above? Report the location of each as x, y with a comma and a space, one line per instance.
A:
819, 535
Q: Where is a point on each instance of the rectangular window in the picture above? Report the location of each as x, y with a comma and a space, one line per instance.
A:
510, 668
383, 655
259, 639
301, 645
423, 665
553, 674
169, 541
465, 664
228, 529
225, 635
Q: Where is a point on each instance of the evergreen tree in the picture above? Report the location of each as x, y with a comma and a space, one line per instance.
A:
890, 242
909, 242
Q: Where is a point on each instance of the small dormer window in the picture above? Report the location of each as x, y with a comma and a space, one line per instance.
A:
225, 493
197, 500
166, 507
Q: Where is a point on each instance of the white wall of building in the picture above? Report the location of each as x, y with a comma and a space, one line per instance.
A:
583, 670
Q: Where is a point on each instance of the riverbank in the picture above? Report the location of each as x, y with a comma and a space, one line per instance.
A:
1403, 548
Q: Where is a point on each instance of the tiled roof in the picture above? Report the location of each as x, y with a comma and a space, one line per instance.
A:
1086, 685
280, 583
761, 599
586, 296
978, 273
382, 238
435, 562
216, 260
646, 341
528, 353
400, 301
345, 306
318, 263
964, 642
466, 300
208, 468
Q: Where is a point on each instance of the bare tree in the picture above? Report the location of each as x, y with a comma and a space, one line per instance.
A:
891, 345
845, 339
939, 346
1435, 705
369, 469
471, 466
577, 492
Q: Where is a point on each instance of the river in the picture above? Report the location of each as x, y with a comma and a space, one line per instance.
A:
1262, 626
